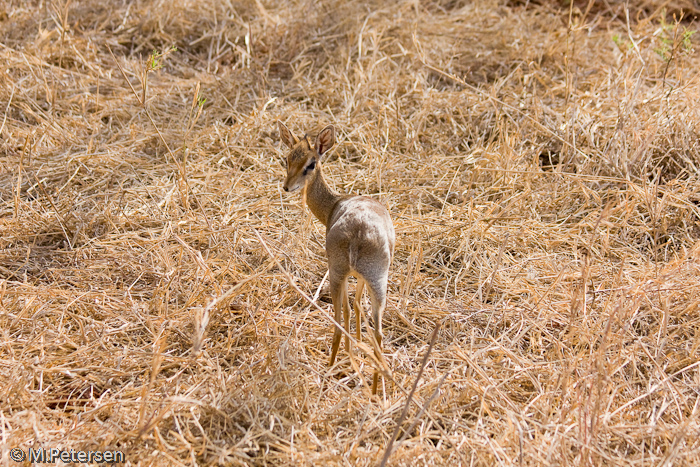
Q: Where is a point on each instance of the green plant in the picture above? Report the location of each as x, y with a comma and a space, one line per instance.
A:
155, 61
672, 40
622, 44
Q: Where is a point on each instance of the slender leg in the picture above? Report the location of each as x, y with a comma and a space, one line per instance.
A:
346, 315
337, 287
358, 306
375, 379
377, 293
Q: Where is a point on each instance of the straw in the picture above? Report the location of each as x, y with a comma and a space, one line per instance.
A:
160, 294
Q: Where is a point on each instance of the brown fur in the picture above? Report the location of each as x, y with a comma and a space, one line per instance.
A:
359, 234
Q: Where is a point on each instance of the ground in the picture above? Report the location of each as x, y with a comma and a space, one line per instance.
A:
162, 296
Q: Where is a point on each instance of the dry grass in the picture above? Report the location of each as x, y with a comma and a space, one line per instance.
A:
542, 168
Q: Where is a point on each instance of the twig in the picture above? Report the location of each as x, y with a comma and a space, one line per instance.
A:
389, 446
290, 280
508, 106
180, 167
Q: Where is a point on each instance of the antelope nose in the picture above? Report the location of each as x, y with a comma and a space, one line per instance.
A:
286, 188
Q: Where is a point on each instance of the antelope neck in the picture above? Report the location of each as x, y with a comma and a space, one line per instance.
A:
321, 198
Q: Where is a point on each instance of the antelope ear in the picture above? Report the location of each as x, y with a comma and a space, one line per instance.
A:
286, 136
325, 140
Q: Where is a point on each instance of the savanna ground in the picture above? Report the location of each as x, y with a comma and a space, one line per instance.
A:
161, 295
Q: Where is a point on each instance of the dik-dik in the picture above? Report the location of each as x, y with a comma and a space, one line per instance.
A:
359, 234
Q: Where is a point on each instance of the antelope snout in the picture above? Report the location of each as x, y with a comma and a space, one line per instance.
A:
291, 186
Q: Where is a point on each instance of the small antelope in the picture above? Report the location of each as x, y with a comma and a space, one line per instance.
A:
359, 234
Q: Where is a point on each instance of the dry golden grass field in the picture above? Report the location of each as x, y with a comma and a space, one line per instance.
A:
161, 295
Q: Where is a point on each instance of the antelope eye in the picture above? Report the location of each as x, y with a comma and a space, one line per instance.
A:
310, 167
